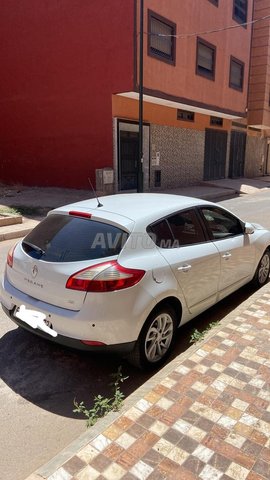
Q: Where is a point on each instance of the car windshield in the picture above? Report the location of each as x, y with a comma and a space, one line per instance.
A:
64, 238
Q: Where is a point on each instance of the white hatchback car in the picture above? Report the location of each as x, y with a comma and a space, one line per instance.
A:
124, 274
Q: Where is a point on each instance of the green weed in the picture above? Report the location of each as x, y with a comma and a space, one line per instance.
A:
198, 336
103, 405
8, 211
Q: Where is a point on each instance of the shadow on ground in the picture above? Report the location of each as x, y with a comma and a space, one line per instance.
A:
51, 376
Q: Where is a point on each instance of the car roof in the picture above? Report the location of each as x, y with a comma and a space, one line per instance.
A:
137, 207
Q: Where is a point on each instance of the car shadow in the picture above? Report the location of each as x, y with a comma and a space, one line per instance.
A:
51, 376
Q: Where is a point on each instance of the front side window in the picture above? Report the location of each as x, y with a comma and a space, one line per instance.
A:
221, 224
236, 74
161, 39
240, 10
206, 58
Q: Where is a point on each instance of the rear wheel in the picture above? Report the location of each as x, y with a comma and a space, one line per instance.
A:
156, 339
262, 273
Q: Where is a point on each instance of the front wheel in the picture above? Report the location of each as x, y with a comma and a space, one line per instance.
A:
262, 273
156, 339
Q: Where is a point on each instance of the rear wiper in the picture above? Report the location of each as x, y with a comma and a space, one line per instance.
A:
34, 247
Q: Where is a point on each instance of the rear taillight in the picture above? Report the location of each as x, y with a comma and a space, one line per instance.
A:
104, 277
10, 256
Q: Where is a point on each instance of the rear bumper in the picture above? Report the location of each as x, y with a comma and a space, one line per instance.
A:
121, 348
115, 318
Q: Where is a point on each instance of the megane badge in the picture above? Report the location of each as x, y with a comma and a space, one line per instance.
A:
34, 271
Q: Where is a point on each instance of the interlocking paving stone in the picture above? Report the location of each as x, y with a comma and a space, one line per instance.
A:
208, 419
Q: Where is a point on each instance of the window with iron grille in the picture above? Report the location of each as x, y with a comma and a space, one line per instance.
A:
236, 74
240, 10
161, 39
216, 121
206, 59
185, 115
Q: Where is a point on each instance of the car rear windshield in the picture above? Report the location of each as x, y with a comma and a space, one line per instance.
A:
64, 238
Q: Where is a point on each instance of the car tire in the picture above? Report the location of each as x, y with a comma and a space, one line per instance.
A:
263, 270
155, 340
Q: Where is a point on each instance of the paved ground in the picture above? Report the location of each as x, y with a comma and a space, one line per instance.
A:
206, 415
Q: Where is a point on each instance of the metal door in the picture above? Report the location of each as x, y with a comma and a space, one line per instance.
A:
129, 153
237, 154
215, 154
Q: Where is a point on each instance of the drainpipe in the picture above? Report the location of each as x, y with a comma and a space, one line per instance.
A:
140, 162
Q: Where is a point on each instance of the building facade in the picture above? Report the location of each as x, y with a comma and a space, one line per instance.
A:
70, 82
258, 140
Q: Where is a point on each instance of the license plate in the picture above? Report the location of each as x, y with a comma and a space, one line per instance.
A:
35, 319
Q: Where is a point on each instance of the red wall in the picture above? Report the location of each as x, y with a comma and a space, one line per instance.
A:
60, 62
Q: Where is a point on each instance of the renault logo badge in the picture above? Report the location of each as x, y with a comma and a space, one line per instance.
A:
34, 271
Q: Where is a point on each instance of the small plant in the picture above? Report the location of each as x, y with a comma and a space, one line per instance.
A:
118, 396
197, 336
23, 210
103, 405
8, 211
27, 210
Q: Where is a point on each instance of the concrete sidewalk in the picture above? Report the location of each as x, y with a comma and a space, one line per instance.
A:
205, 415
37, 201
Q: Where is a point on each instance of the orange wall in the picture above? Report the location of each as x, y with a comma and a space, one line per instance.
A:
126, 108
181, 80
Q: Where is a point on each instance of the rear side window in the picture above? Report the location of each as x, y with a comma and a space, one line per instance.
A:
186, 228
161, 234
178, 230
62, 238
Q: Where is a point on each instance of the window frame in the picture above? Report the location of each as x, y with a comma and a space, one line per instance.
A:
242, 65
209, 76
154, 53
238, 19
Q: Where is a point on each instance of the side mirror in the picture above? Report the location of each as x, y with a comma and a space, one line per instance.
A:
249, 229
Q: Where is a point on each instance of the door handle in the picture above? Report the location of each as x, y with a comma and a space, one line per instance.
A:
227, 255
184, 268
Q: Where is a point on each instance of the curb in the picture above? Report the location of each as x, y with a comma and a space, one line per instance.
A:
15, 234
17, 231
62, 457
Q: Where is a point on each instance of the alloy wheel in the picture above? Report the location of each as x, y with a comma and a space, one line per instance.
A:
159, 337
264, 268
